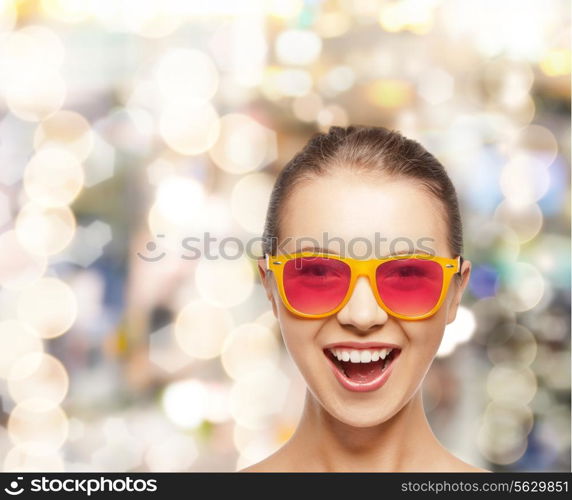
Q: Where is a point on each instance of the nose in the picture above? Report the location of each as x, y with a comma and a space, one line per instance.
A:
362, 310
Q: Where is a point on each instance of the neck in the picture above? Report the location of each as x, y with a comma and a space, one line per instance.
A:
392, 446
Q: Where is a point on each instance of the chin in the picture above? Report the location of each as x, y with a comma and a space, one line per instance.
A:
358, 410
361, 420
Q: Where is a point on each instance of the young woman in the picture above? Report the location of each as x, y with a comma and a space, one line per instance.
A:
363, 268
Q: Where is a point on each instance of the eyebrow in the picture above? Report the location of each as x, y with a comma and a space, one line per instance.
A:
325, 250
404, 252
317, 249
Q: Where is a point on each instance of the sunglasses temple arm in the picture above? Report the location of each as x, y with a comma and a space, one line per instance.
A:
461, 260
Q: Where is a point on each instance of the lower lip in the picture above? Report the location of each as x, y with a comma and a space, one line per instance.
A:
372, 385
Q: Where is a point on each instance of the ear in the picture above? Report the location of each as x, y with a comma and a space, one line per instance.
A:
265, 278
459, 290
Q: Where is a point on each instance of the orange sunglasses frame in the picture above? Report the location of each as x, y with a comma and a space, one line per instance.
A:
367, 268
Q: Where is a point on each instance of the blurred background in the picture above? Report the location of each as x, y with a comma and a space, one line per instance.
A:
128, 125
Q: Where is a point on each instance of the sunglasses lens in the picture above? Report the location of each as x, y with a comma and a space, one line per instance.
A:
315, 285
411, 287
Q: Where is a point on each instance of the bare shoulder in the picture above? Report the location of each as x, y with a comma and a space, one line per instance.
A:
258, 467
458, 465
446, 461
472, 468
276, 462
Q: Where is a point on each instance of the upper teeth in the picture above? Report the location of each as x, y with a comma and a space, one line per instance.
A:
361, 355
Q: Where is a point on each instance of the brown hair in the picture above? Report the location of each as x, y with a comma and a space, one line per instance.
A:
368, 150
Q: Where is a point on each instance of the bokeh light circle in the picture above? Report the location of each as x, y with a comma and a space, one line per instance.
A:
201, 328
186, 75
524, 180
53, 177
248, 346
258, 395
522, 286
45, 230
68, 130
36, 95
49, 306
16, 340
176, 453
68, 11
515, 344
18, 267
185, 403
190, 129
38, 376
244, 144
249, 194
32, 48
537, 139
511, 383
33, 457
457, 332
178, 212
31, 423
180, 200
298, 47
225, 282
525, 220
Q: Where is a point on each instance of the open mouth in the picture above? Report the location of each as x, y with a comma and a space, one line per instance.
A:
362, 369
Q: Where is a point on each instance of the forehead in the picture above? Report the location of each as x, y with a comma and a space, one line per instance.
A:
395, 212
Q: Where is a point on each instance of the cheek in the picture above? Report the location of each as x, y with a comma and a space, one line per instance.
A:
425, 336
299, 337
297, 333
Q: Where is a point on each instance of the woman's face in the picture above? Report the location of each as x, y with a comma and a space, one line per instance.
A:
351, 208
